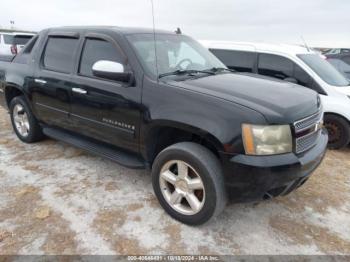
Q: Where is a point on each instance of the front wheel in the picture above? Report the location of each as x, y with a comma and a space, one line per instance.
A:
188, 182
338, 131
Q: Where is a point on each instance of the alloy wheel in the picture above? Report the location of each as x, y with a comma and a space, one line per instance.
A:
21, 120
182, 187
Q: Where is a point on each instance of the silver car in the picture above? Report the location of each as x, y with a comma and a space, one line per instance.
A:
12, 43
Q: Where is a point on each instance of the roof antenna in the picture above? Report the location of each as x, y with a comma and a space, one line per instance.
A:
178, 31
305, 44
155, 43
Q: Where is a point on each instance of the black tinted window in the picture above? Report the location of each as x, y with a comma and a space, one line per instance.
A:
21, 39
282, 68
238, 60
301, 76
96, 50
275, 66
59, 54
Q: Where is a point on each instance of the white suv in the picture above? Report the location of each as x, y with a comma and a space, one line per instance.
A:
299, 65
11, 43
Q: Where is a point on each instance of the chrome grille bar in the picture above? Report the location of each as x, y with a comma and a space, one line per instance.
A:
308, 140
308, 122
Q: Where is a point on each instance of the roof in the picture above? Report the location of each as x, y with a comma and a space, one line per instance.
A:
16, 33
120, 30
257, 47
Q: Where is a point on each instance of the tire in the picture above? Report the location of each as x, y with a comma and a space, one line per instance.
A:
338, 131
20, 111
199, 163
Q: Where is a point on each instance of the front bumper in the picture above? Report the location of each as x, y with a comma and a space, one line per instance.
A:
254, 178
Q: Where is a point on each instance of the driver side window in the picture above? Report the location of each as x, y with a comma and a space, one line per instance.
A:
281, 67
275, 66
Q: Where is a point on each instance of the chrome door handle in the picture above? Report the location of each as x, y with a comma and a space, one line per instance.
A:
79, 91
40, 81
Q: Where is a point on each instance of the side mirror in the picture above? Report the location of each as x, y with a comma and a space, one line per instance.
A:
111, 70
291, 80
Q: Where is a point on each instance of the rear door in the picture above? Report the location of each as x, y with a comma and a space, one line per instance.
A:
52, 81
103, 109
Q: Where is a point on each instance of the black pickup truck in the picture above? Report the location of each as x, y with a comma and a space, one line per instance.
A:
160, 100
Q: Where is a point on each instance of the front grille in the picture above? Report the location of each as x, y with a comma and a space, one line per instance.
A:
306, 142
307, 132
308, 122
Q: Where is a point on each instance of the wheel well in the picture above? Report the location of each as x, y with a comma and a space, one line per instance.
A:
338, 115
11, 93
163, 137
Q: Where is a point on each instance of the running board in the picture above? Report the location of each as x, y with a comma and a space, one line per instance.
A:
99, 149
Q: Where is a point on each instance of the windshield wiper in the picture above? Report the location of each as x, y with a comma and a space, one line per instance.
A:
184, 72
220, 69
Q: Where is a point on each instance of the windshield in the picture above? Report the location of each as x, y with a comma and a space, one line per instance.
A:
324, 70
174, 52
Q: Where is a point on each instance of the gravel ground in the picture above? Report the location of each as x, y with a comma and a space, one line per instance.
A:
56, 199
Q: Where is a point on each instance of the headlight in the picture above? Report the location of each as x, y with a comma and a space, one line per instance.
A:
267, 140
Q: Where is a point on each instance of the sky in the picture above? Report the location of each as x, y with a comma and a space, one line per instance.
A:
322, 23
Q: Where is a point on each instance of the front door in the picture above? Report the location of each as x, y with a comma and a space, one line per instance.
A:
102, 109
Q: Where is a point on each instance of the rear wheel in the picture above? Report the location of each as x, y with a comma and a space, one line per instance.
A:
23, 121
188, 182
338, 131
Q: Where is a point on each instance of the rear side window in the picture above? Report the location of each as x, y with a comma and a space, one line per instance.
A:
238, 60
94, 51
59, 54
21, 39
8, 39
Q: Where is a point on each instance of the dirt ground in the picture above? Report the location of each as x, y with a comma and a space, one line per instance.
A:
56, 199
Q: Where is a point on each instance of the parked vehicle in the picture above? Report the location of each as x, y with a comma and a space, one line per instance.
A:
205, 132
298, 65
343, 54
12, 43
341, 66
337, 51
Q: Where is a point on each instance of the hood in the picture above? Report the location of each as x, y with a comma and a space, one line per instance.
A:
344, 90
279, 101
